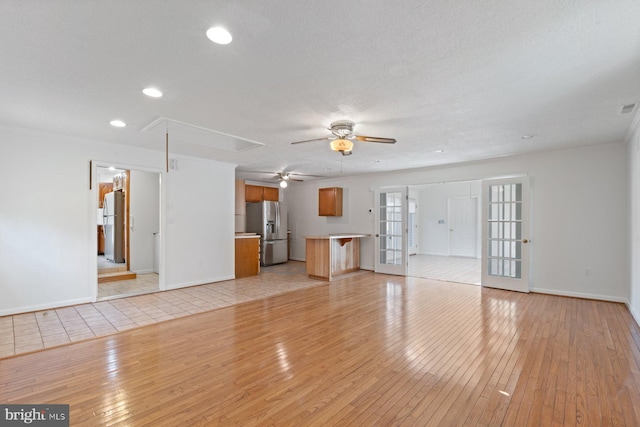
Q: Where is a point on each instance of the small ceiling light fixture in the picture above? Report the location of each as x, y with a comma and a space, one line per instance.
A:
439, 151
152, 92
342, 145
111, 168
528, 136
219, 35
117, 123
283, 184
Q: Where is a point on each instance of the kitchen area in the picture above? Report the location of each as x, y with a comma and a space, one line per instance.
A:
262, 237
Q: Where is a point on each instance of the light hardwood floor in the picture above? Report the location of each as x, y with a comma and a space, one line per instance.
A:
368, 350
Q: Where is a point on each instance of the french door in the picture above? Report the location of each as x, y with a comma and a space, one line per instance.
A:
391, 231
505, 234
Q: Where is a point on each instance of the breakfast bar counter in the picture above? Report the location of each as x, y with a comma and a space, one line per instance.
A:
332, 255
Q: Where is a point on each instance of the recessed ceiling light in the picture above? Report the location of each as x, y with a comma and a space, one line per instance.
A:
528, 136
111, 168
219, 35
117, 123
439, 151
152, 92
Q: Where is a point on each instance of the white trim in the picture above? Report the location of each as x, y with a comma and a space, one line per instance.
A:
200, 282
46, 306
579, 295
147, 271
633, 314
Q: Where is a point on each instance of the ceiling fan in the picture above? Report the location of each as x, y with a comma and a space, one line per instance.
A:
284, 177
342, 137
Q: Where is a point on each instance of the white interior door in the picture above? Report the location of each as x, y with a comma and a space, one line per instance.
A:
463, 226
505, 234
391, 231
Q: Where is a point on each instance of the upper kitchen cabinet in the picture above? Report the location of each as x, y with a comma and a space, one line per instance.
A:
241, 207
270, 194
256, 193
330, 201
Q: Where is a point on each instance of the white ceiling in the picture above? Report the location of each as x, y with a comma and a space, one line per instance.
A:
469, 77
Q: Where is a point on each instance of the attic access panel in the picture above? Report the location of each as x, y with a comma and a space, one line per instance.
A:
186, 132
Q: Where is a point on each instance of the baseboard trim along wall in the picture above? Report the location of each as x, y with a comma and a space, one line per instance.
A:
579, 295
47, 306
200, 282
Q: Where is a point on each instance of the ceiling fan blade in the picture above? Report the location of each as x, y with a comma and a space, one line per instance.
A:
363, 138
311, 140
297, 180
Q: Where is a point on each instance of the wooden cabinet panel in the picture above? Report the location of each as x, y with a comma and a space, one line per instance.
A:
330, 201
241, 207
257, 193
252, 193
270, 194
247, 257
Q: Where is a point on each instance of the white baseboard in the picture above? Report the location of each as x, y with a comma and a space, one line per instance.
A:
47, 306
144, 271
199, 282
579, 295
633, 314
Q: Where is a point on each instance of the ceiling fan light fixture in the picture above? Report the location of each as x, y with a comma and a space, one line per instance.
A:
342, 145
283, 184
219, 35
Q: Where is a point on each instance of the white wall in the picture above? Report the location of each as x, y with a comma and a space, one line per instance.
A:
47, 256
634, 219
579, 214
144, 219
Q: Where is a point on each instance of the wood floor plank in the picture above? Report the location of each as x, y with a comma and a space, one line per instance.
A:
368, 350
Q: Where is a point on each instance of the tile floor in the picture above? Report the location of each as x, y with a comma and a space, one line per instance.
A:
142, 284
104, 263
24, 333
450, 269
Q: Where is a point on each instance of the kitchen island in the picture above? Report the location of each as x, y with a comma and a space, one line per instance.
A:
333, 255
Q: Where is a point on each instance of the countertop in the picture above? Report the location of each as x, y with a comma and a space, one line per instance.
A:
247, 236
338, 236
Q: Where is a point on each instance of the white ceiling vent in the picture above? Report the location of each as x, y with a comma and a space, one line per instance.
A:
186, 132
629, 108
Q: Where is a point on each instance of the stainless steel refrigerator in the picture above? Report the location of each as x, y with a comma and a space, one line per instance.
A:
269, 219
113, 226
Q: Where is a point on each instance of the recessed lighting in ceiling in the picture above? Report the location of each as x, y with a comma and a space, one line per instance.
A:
111, 168
152, 92
528, 136
439, 151
219, 35
117, 123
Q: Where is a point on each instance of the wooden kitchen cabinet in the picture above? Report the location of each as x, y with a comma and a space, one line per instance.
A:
270, 194
330, 201
241, 207
252, 193
247, 256
257, 193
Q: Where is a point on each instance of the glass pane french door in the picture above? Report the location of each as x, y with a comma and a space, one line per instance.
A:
505, 234
391, 231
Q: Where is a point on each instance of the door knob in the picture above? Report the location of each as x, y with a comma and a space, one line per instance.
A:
526, 241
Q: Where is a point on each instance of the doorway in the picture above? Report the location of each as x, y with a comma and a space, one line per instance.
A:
128, 228
447, 232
